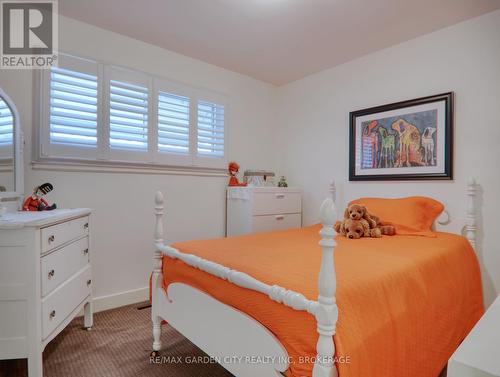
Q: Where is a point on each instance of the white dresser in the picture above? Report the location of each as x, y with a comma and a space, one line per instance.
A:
478, 355
45, 280
262, 209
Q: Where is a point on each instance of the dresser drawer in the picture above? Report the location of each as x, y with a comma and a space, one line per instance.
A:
269, 223
62, 301
275, 203
58, 266
57, 235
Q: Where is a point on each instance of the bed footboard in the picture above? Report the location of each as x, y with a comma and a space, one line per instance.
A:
325, 309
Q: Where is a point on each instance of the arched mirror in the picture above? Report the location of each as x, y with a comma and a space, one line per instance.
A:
11, 165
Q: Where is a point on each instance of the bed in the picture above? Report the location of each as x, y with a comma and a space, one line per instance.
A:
387, 307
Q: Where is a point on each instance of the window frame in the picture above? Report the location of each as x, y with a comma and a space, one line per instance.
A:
168, 86
48, 149
221, 100
135, 78
103, 155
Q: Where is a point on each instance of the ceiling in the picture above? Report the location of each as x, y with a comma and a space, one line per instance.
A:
277, 41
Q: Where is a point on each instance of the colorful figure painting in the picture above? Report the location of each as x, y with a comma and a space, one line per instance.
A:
405, 140
401, 141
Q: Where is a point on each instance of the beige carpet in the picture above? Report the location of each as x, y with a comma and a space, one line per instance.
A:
118, 346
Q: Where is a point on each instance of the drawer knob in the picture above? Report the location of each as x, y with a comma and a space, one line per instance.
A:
51, 238
86, 251
86, 226
279, 217
52, 314
89, 282
280, 196
51, 274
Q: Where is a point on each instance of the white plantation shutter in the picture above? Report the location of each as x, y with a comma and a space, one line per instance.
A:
73, 108
100, 112
128, 116
6, 126
173, 123
210, 129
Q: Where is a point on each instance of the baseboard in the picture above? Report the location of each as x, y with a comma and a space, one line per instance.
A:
116, 300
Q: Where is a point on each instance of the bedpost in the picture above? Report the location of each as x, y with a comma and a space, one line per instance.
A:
333, 191
156, 276
471, 222
327, 312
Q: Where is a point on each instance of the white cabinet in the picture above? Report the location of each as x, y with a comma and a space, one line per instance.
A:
45, 280
477, 356
262, 209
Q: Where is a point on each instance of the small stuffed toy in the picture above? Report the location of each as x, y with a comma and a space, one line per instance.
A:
233, 169
357, 216
355, 229
36, 202
358, 212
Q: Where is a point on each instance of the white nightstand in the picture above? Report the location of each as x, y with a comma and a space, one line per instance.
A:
478, 355
261, 209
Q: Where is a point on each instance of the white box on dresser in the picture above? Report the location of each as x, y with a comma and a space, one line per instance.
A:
261, 209
45, 280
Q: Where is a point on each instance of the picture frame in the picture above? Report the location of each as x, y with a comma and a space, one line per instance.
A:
407, 140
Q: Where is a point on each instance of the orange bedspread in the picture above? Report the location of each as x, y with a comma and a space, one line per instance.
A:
405, 302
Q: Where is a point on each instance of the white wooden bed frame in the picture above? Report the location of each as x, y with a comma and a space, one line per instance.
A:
238, 342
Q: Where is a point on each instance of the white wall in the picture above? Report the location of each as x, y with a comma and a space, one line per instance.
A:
305, 121
123, 203
465, 58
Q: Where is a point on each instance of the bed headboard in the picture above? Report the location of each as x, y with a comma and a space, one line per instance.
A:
464, 225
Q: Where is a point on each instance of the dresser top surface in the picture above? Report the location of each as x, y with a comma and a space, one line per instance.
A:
270, 189
38, 219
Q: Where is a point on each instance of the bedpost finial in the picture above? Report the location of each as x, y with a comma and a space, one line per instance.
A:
327, 212
332, 186
471, 182
159, 198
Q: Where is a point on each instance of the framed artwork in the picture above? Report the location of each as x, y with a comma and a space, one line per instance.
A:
407, 140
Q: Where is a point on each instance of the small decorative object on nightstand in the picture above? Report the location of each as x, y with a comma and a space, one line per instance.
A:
282, 182
477, 356
262, 209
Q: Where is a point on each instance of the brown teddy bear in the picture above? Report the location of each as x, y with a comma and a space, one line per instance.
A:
354, 229
357, 211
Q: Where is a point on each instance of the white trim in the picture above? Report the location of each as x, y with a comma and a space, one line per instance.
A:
123, 167
119, 299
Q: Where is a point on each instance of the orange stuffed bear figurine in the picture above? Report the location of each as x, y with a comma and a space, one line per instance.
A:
233, 169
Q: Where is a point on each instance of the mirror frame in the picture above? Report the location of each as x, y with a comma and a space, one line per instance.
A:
18, 192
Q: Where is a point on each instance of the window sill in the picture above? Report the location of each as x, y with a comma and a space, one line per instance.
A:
125, 168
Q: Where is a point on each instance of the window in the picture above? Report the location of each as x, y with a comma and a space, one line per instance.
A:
103, 113
210, 129
128, 116
173, 123
73, 108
